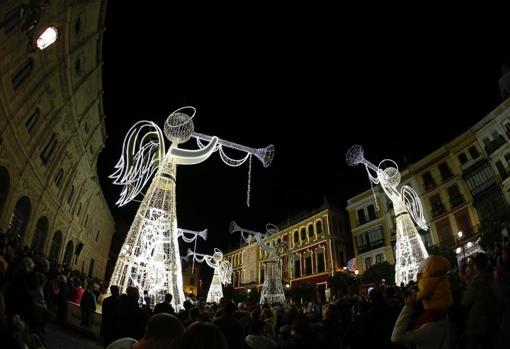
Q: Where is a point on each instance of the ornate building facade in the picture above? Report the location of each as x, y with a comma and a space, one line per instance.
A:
52, 131
319, 244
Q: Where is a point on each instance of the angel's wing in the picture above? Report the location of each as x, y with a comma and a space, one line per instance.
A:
414, 207
142, 151
225, 272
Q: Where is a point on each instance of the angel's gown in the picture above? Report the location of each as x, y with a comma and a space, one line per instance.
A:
410, 249
215, 292
150, 258
272, 288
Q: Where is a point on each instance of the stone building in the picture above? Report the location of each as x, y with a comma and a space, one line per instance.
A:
52, 131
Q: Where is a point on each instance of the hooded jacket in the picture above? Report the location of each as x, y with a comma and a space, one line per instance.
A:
433, 285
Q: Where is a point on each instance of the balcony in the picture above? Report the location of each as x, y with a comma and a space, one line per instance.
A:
457, 200
371, 246
495, 144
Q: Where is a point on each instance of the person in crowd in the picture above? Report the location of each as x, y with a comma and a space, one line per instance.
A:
430, 335
483, 306
129, 318
230, 326
257, 339
203, 335
165, 306
108, 310
87, 306
434, 289
162, 331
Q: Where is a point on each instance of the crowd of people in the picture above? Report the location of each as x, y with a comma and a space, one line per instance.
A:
450, 306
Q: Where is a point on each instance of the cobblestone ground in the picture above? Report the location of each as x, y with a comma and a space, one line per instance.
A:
58, 337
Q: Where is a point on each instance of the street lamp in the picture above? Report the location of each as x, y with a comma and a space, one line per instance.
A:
356, 272
287, 286
459, 241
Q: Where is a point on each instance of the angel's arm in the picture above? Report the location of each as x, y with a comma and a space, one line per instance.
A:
191, 157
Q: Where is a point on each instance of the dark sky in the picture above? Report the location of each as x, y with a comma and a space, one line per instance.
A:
303, 79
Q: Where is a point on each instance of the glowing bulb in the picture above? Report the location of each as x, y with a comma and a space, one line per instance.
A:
460, 234
287, 285
469, 244
249, 290
47, 38
344, 268
458, 250
356, 272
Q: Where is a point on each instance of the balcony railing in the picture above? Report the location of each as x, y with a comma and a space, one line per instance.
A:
495, 144
371, 246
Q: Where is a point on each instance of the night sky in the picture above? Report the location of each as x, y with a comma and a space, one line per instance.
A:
301, 79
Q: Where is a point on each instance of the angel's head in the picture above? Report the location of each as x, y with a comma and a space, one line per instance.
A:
393, 176
217, 255
179, 125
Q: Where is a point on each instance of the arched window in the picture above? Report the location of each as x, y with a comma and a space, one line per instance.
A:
5, 187
22, 72
59, 177
49, 148
303, 234
20, 217
310, 231
318, 227
40, 234
32, 119
68, 254
296, 237
56, 244
71, 194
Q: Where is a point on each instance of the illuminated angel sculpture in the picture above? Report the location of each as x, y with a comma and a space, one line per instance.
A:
222, 272
149, 258
272, 289
410, 249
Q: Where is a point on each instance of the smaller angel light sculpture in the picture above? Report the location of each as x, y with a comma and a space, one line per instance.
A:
406, 203
272, 289
222, 272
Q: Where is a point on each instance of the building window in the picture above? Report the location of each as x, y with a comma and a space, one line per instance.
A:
474, 152
379, 258
297, 268
444, 231
361, 216
77, 66
32, 120
58, 178
91, 267
310, 232
370, 239
308, 265
456, 198
437, 205
303, 234
262, 274
462, 158
371, 212
479, 178
86, 220
318, 227
426, 238
71, 194
296, 237
22, 73
97, 236
368, 263
20, 217
320, 262
501, 170
445, 171
428, 181
77, 25
79, 210
12, 19
48, 149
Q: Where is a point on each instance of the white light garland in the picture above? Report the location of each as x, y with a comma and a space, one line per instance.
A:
149, 258
410, 250
272, 288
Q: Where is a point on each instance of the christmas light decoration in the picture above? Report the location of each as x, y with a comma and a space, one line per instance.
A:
222, 272
149, 258
272, 289
406, 203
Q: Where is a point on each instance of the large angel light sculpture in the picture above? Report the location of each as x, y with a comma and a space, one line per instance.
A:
410, 249
149, 258
222, 272
272, 288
